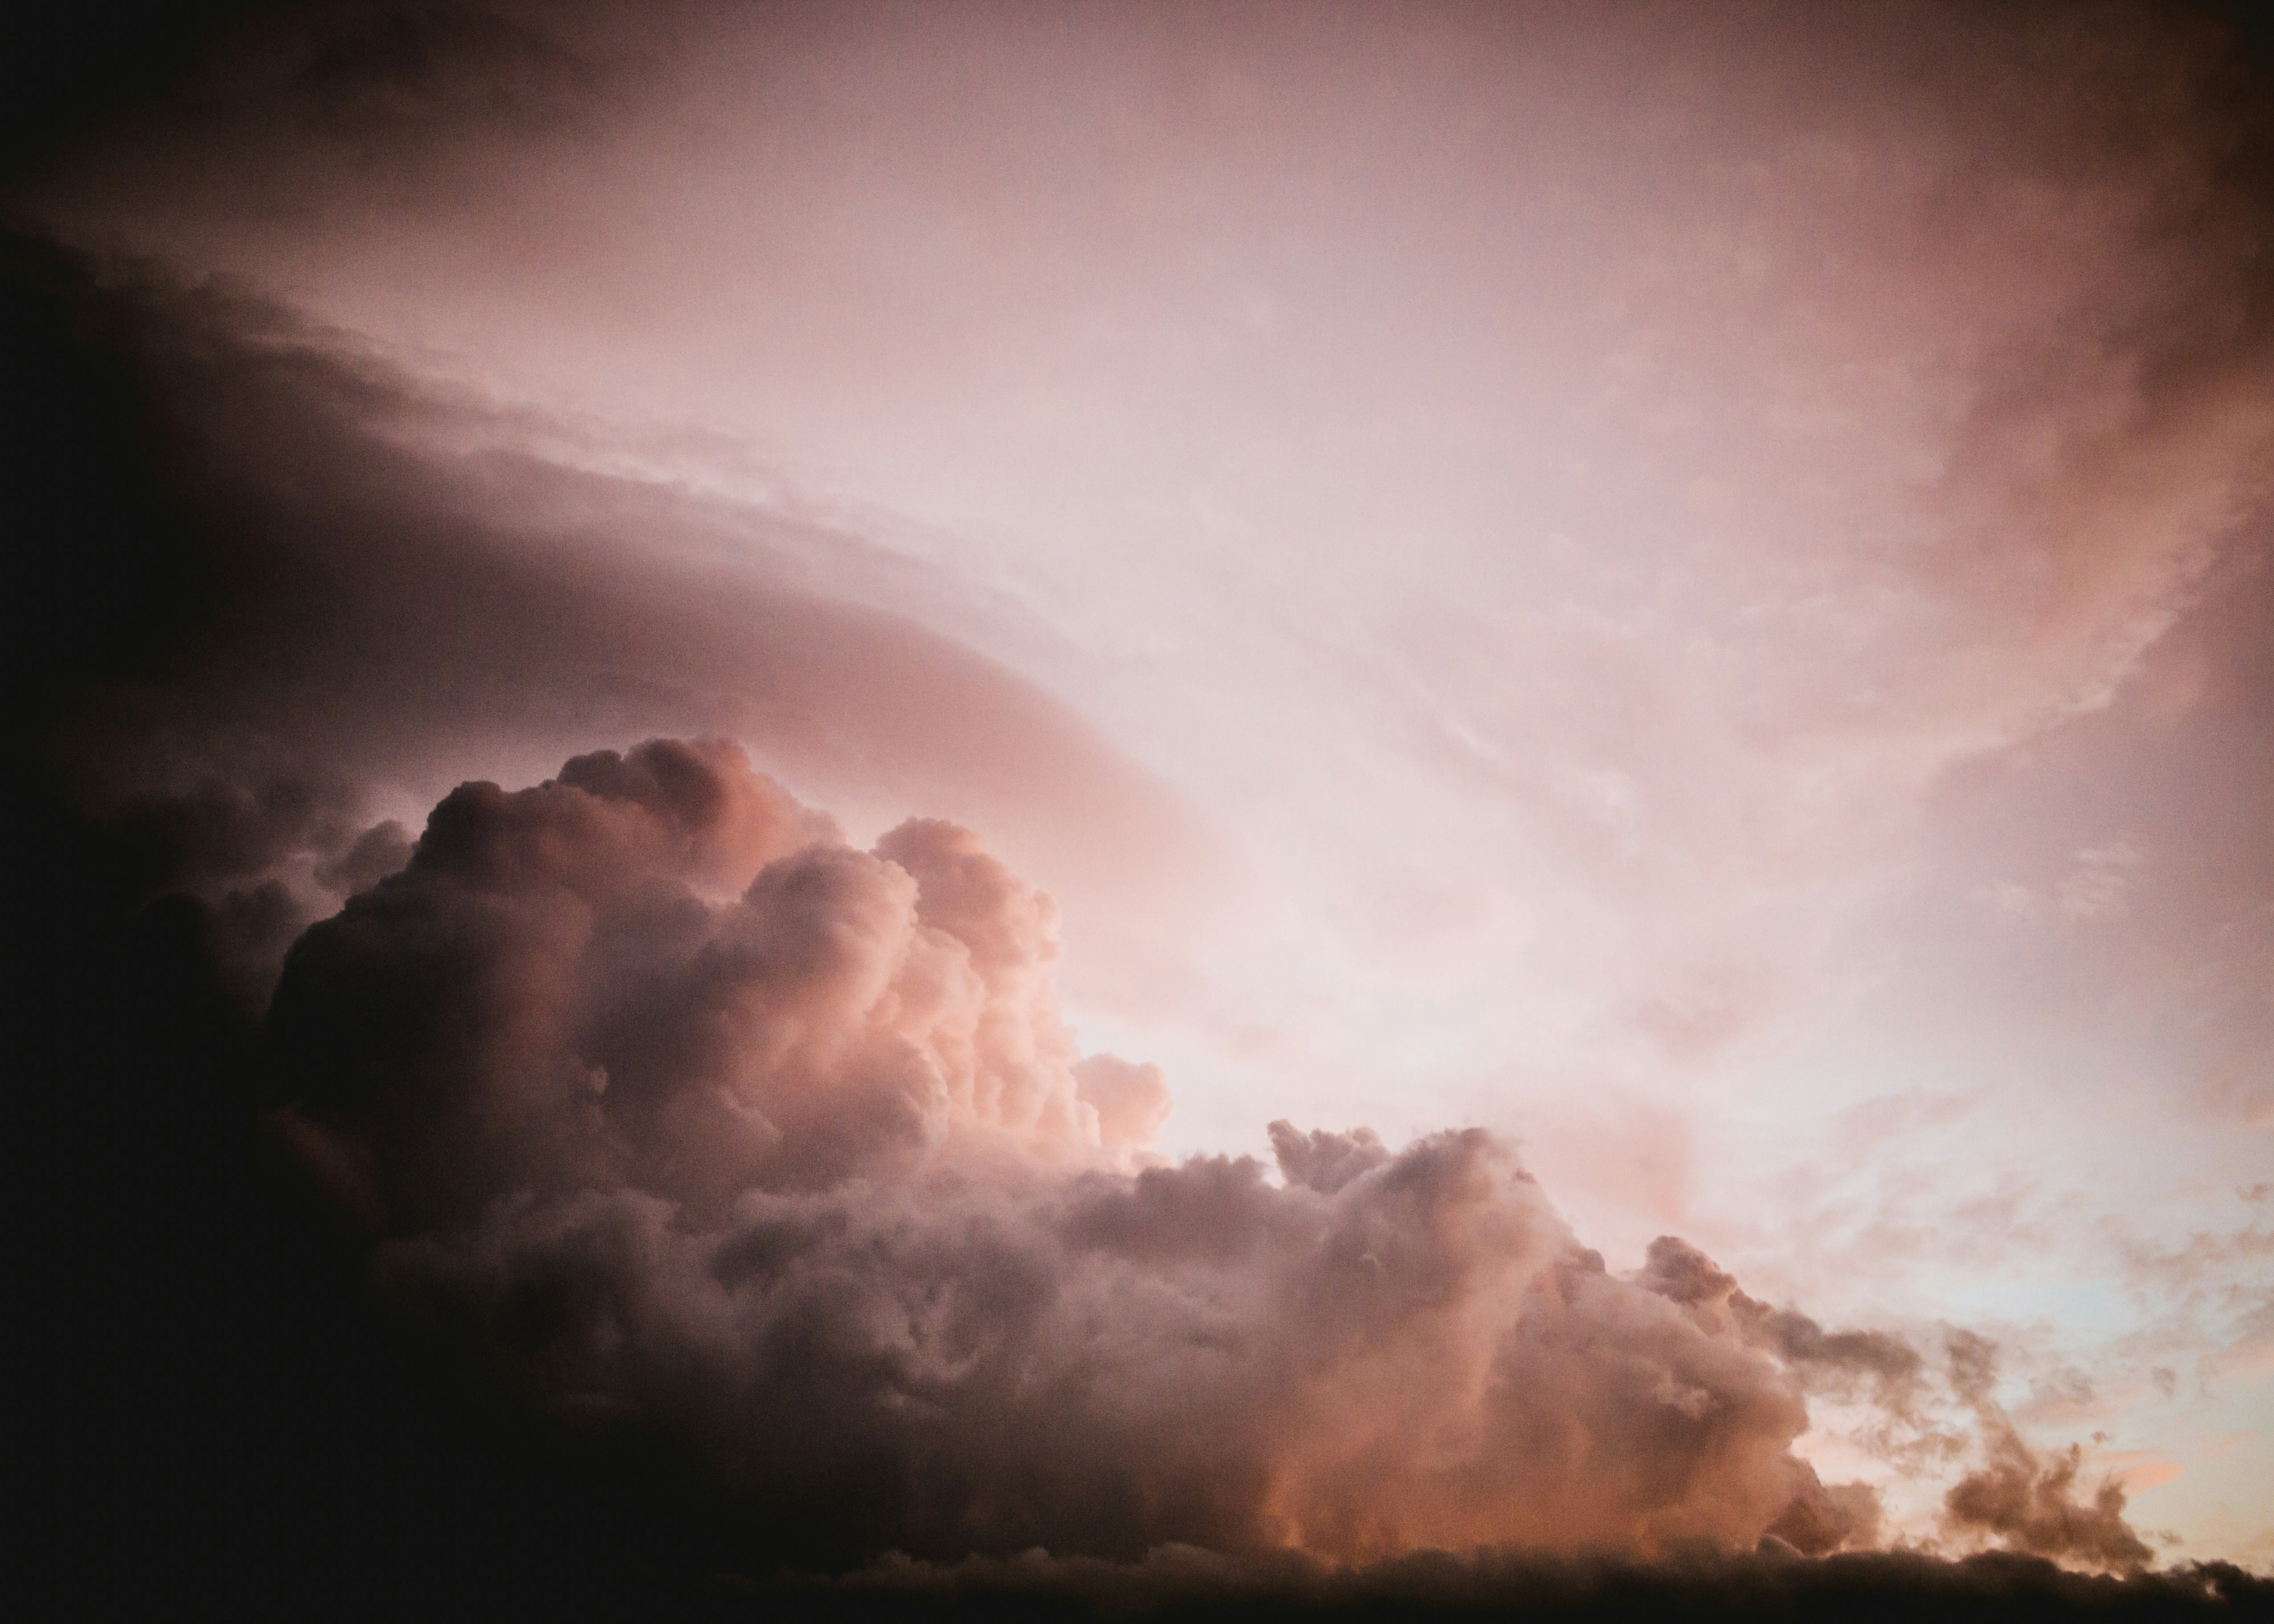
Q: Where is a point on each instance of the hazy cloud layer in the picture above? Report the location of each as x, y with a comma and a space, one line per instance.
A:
342, 615
1675, 437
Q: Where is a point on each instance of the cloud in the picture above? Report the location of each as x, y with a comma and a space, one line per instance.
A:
606, 1065
542, 999
1189, 1582
2026, 1499
680, 1113
284, 591
2030, 1501
676, 1117
1679, 1273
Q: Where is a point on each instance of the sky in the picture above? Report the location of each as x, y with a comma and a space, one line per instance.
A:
1655, 619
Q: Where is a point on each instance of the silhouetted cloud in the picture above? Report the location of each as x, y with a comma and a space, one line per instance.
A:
1772, 1583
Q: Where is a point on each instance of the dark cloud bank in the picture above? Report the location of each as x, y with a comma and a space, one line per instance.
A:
638, 1201
636, 1195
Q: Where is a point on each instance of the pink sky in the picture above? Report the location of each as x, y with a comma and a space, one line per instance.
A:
1689, 586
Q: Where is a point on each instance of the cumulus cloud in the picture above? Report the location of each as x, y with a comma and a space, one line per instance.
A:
544, 999
2024, 1496
2030, 1500
678, 1117
683, 1112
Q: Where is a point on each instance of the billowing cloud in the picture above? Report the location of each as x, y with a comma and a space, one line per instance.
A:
2032, 1502
677, 1116
543, 1000
2026, 1498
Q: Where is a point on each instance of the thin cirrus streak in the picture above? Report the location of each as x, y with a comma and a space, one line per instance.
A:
1671, 599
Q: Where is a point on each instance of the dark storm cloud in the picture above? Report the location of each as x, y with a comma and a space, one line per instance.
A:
693, 1128
678, 1113
688, 1124
221, 830
238, 617
1184, 1582
676, 1117
307, 608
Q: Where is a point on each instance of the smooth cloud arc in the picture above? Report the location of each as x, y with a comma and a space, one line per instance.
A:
687, 1118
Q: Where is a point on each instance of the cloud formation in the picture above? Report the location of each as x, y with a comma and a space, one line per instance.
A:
2026, 1499
543, 1000
682, 1118
1567, 491
285, 582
